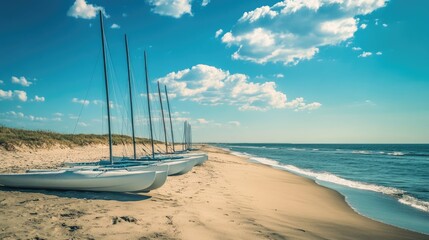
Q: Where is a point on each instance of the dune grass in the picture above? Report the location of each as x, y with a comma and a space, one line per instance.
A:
12, 138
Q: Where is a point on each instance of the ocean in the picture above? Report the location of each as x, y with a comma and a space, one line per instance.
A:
385, 182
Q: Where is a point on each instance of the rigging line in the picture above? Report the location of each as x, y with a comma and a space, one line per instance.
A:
117, 97
87, 91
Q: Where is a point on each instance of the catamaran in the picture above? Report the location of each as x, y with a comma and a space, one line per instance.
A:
111, 179
178, 164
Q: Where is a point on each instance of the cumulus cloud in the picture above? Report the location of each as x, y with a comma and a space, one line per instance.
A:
385, 25
171, 8
97, 102
363, 26
115, 26
298, 104
80, 101
234, 123
209, 85
9, 95
291, 31
365, 54
356, 48
21, 115
202, 121
39, 99
5, 95
205, 3
218, 33
279, 75
82, 124
379, 53
21, 81
21, 95
81, 9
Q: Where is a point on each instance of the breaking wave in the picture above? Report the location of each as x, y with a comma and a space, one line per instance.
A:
398, 194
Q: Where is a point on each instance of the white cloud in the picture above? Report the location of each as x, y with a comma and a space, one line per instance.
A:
82, 124
298, 104
291, 31
56, 119
21, 81
363, 26
6, 95
97, 102
235, 123
39, 99
23, 116
21, 95
379, 53
202, 121
258, 13
365, 54
81, 9
58, 114
73, 117
172, 8
279, 75
205, 3
9, 95
208, 85
115, 26
385, 25
80, 101
356, 48
218, 33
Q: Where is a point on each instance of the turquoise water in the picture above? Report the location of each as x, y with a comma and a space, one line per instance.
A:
385, 182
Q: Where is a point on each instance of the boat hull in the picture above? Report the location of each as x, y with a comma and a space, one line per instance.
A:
82, 180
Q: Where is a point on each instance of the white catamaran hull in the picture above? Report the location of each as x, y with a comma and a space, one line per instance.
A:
82, 180
161, 172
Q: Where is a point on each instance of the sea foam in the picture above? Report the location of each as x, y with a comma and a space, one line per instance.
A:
398, 194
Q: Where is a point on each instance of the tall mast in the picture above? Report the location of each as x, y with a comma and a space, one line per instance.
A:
163, 119
169, 115
184, 135
148, 105
189, 136
131, 97
107, 88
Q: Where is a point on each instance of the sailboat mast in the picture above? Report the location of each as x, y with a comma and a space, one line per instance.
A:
163, 119
184, 135
148, 105
190, 137
169, 115
107, 88
131, 97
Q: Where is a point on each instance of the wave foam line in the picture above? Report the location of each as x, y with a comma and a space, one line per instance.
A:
329, 177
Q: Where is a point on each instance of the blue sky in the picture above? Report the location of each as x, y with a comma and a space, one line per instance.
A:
315, 71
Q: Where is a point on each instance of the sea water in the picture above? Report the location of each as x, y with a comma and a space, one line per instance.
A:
385, 182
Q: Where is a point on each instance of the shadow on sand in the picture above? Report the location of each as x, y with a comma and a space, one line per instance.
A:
123, 197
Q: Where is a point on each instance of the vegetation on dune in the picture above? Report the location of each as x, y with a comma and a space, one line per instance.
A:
11, 138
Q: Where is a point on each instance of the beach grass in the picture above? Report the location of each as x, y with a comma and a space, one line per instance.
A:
12, 138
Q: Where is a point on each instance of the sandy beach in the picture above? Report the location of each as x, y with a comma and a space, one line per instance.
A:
226, 198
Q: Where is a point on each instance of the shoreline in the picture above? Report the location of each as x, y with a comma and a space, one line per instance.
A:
226, 198
351, 195
372, 204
